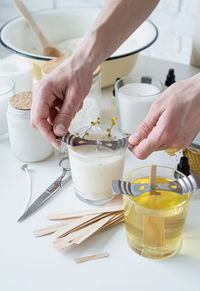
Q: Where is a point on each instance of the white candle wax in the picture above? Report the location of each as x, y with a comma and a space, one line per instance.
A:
93, 171
19, 71
134, 101
6, 91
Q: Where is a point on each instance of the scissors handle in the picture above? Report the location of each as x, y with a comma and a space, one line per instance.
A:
48, 193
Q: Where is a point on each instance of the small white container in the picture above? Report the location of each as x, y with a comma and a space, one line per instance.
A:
26, 142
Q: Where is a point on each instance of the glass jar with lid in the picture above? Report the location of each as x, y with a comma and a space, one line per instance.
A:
26, 143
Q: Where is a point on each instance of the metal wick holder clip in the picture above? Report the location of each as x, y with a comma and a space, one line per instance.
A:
181, 186
75, 141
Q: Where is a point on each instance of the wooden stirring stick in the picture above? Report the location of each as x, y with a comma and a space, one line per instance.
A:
80, 225
93, 257
152, 179
153, 227
77, 224
82, 234
76, 214
49, 229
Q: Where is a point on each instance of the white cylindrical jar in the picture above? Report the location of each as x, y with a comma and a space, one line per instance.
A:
26, 142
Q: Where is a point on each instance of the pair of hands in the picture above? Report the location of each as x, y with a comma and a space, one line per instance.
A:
173, 120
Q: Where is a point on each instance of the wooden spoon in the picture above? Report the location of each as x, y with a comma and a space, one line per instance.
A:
48, 49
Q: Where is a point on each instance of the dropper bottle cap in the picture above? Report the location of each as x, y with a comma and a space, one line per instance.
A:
171, 78
183, 166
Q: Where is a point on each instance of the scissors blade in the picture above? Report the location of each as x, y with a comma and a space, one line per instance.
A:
48, 193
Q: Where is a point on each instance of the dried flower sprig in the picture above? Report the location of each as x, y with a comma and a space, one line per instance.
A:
98, 121
113, 122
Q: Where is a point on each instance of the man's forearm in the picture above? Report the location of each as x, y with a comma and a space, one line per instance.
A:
114, 24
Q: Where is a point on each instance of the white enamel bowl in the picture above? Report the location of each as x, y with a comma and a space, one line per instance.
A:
61, 24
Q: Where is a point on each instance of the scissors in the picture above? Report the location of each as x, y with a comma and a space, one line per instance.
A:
51, 190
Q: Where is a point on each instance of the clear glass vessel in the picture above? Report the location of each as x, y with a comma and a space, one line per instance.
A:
154, 222
134, 97
93, 168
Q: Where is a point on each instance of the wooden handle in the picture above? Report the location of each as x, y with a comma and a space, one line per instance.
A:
21, 7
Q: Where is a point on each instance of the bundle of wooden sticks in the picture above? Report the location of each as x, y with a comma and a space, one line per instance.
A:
77, 226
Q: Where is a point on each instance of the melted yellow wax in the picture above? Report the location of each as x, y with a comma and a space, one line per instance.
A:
162, 199
163, 214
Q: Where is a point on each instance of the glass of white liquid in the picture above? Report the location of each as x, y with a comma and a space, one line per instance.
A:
6, 91
93, 168
134, 97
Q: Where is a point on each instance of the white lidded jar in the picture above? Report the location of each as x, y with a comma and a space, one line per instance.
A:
27, 143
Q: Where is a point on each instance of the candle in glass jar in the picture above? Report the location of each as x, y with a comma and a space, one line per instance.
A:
133, 103
93, 171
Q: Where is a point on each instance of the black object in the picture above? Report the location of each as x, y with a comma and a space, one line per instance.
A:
183, 167
171, 78
146, 79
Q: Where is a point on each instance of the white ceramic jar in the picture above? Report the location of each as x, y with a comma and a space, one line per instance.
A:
26, 142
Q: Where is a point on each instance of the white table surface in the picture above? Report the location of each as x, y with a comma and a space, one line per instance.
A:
28, 264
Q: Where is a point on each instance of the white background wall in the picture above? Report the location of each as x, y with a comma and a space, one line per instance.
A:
174, 19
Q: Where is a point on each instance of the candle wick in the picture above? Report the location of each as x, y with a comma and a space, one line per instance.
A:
98, 144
